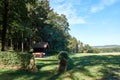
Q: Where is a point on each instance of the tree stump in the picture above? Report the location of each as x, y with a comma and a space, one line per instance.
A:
62, 65
32, 67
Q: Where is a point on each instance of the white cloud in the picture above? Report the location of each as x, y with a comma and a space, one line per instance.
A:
100, 6
57, 1
77, 20
69, 10
75, 9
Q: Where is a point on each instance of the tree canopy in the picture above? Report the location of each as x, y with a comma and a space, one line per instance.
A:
25, 22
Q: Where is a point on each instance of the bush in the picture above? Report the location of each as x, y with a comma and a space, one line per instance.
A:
63, 54
63, 57
15, 58
52, 52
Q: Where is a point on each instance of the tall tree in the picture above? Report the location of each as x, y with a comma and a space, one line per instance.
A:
73, 44
58, 27
13, 12
39, 16
4, 23
29, 21
81, 48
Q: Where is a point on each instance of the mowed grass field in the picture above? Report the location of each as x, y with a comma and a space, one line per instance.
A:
102, 66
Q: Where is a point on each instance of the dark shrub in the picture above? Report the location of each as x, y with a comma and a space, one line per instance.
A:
63, 54
52, 52
15, 58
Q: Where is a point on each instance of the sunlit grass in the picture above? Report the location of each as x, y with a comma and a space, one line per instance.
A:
80, 67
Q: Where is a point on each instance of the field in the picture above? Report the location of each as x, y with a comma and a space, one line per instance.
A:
102, 66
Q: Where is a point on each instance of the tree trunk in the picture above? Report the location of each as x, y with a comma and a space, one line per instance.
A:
62, 65
22, 47
9, 44
4, 24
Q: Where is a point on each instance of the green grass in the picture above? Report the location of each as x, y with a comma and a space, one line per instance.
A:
80, 67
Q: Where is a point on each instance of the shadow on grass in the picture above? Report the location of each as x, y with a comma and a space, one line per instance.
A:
110, 73
76, 64
95, 60
27, 75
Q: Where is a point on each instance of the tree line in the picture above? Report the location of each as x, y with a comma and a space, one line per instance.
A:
26, 22
115, 49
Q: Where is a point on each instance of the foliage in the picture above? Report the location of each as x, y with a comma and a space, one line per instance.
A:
73, 45
88, 49
26, 22
52, 52
15, 59
109, 49
63, 55
76, 46
30, 22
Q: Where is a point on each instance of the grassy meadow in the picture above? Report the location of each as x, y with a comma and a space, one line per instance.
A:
102, 66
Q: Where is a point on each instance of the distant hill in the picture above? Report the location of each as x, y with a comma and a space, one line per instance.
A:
108, 46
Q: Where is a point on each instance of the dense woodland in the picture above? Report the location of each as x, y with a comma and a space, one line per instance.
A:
26, 22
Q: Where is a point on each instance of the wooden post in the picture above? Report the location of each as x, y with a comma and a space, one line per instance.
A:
62, 65
32, 67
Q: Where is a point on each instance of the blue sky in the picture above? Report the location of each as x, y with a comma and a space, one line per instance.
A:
94, 22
